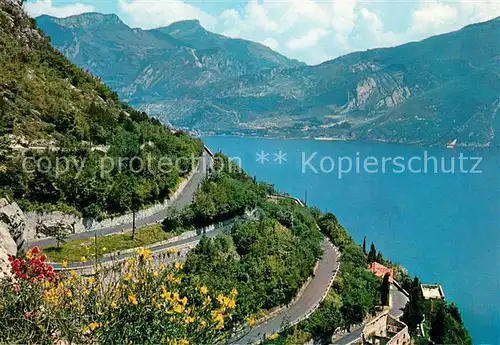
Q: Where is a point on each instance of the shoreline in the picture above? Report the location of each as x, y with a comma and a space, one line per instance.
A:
334, 139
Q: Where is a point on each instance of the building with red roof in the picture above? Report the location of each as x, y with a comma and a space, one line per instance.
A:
380, 271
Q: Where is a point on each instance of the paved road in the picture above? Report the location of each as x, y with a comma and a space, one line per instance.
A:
191, 242
398, 301
184, 199
311, 297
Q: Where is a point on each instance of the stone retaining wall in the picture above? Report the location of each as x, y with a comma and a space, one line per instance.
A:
89, 224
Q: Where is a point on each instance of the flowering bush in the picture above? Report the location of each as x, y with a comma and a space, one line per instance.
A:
33, 267
135, 302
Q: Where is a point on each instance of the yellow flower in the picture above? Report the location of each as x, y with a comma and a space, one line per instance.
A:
273, 336
221, 299
91, 281
83, 259
178, 266
203, 290
113, 305
132, 299
103, 249
251, 321
220, 325
189, 320
93, 326
64, 264
144, 253
28, 254
230, 303
219, 318
156, 274
207, 301
234, 292
161, 267
184, 301
165, 294
179, 308
203, 323
128, 276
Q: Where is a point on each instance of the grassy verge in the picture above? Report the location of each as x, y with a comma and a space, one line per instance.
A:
72, 251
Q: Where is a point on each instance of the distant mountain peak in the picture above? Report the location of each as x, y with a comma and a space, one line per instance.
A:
187, 24
86, 20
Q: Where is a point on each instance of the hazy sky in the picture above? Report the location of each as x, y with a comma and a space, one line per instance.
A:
309, 30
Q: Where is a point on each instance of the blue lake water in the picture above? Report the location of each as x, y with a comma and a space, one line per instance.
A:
443, 227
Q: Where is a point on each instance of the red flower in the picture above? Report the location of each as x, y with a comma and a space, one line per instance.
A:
35, 250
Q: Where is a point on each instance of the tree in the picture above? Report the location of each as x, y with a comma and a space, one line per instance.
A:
372, 255
380, 258
438, 329
413, 313
455, 312
60, 231
364, 245
385, 290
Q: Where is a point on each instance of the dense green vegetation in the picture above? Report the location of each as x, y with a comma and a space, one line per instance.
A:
442, 320
45, 101
227, 193
355, 292
267, 262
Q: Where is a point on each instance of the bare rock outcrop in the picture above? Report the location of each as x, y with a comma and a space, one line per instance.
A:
13, 219
7, 247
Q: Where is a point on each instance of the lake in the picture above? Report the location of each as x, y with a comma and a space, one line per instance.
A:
435, 211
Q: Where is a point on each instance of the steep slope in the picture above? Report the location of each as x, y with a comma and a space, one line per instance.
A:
53, 112
429, 92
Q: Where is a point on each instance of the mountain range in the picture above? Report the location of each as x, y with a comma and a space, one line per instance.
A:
429, 92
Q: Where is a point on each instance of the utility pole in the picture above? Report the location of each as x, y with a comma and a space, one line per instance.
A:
133, 223
135, 204
305, 200
95, 245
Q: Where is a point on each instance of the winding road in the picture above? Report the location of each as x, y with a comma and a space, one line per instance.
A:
184, 199
300, 309
310, 299
398, 302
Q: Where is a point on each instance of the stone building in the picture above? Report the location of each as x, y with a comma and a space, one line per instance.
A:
385, 330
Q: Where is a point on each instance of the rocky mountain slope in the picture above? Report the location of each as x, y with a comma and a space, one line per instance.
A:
429, 92
52, 111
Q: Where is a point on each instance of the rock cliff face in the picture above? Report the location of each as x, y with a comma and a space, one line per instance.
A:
442, 88
12, 219
7, 247
11, 234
